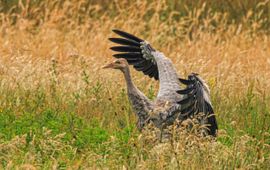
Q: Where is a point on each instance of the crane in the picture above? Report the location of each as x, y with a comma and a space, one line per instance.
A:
172, 102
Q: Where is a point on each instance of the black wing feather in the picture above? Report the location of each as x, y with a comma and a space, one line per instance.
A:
185, 91
156, 73
185, 101
186, 82
127, 35
123, 41
126, 49
146, 66
140, 67
197, 100
188, 108
128, 55
149, 71
130, 50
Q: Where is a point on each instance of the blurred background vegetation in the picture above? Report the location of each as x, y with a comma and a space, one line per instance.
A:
243, 12
59, 110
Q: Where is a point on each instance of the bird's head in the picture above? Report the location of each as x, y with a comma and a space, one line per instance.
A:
119, 63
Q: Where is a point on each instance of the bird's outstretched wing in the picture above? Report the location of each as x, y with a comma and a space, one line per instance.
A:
197, 100
137, 52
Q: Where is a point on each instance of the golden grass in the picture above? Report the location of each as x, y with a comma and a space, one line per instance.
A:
213, 55
60, 50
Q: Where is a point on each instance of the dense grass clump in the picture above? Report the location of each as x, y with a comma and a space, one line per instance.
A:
59, 110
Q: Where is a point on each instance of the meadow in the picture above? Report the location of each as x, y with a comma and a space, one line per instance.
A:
60, 110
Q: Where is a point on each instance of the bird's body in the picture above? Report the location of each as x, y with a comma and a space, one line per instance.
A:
172, 102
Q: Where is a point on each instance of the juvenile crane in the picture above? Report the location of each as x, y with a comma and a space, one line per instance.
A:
172, 102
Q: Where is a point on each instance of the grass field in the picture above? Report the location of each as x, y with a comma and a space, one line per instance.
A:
60, 110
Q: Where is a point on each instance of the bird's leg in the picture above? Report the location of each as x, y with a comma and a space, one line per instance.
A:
142, 121
161, 132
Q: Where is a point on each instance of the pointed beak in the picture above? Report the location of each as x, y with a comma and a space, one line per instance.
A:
108, 66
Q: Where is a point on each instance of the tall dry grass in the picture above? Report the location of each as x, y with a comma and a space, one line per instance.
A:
50, 58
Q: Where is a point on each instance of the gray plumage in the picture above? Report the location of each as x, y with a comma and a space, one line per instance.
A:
141, 105
172, 102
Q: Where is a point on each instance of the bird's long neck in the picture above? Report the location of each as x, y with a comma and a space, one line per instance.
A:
140, 103
130, 84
